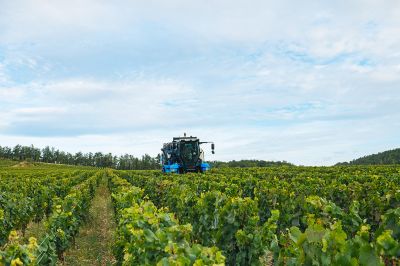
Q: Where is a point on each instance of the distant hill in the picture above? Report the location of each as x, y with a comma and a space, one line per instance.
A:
248, 163
386, 157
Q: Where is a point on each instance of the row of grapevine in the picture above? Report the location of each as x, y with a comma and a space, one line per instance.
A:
376, 189
291, 217
29, 198
147, 235
229, 222
62, 226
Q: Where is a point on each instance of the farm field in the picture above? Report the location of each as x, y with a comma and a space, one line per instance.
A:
343, 215
199, 133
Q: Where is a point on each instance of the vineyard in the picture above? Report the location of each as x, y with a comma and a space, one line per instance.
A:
287, 215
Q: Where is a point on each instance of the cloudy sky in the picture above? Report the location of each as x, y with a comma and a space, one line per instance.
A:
310, 82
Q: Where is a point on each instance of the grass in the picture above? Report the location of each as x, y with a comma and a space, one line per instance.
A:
94, 241
6, 163
36, 230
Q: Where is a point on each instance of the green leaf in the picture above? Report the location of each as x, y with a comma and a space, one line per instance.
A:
368, 256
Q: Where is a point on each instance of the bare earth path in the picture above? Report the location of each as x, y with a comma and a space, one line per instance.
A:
93, 243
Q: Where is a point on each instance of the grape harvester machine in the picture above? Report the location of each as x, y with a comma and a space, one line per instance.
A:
184, 155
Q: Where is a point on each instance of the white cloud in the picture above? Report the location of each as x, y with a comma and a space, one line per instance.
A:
101, 104
10, 94
39, 110
250, 21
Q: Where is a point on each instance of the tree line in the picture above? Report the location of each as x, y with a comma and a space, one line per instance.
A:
386, 157
98, 159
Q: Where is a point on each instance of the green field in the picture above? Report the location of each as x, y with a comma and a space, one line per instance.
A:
288, 215
7, 163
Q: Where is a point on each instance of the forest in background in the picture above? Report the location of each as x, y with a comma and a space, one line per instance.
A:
386, 157
147, 162
99, 159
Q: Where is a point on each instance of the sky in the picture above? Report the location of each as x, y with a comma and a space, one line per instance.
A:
309, 82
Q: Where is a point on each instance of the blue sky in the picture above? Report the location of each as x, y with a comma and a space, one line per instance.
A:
309, 82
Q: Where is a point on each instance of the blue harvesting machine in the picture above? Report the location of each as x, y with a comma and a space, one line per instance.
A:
184, 155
